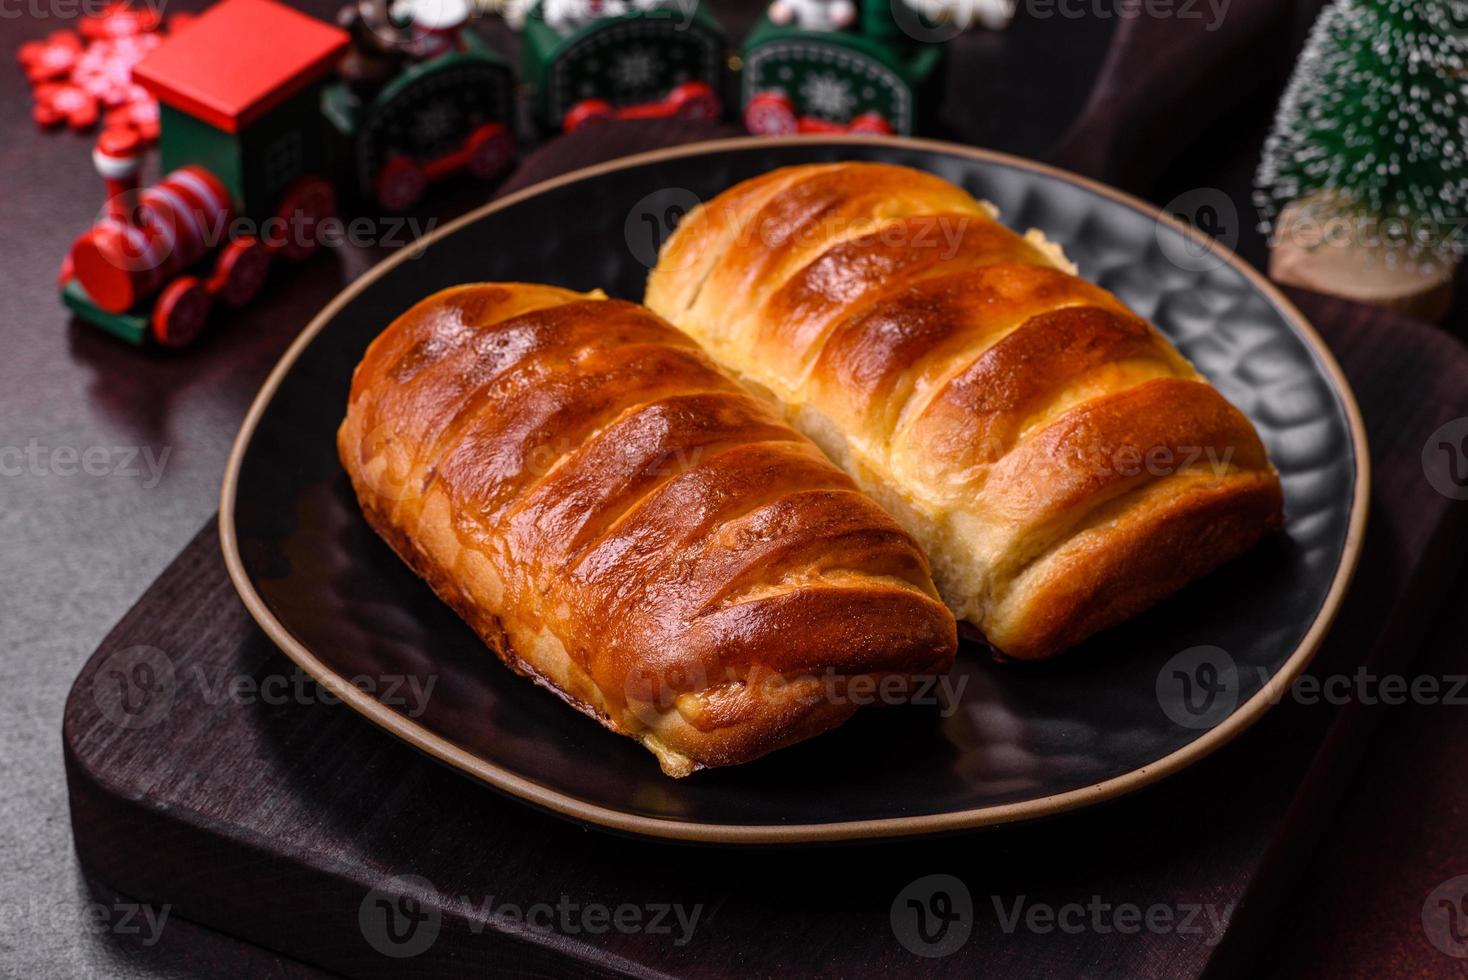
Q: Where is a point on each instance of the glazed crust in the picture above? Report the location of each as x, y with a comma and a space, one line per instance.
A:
1063, 466
621, 521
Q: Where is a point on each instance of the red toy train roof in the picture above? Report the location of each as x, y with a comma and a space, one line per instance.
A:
238, 60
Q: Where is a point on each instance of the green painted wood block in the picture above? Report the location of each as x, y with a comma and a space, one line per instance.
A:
132, 327
257, 163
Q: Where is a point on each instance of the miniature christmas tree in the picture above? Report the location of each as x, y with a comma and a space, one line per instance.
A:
1369, 151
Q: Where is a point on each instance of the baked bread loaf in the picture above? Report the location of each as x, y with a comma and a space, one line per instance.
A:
1061, 463
621, 521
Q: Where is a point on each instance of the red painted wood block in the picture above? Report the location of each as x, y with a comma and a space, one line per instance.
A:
239, 60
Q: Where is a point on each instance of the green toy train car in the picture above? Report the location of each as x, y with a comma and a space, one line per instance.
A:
660, 61
258, 134
871, 77
434, 118
247, 174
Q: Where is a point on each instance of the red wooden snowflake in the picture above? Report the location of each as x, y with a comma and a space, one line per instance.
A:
139, 113
63, 102
105, 69
120, 20
52, 58
78, 74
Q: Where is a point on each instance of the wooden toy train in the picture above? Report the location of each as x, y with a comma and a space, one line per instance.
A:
258, 132
267, 116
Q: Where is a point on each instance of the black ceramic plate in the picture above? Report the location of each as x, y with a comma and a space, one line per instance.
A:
1021, 740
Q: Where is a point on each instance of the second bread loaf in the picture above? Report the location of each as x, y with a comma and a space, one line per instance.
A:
1061, 463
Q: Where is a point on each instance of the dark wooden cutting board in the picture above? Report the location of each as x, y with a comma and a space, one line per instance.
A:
284, 820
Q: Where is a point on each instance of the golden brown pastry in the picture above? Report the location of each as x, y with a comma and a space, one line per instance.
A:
621, 521
1061, 463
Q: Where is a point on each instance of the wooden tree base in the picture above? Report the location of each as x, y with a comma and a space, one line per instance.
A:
1305, 255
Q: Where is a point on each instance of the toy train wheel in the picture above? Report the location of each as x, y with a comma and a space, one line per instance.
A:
587, 111
181, 312
491, 151
306, 202
771, 114
695, 100
399, 184
240, 271
872, 123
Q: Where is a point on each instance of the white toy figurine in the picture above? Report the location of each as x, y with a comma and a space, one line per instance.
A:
564, 14
513, 11
813, 15
435, 24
